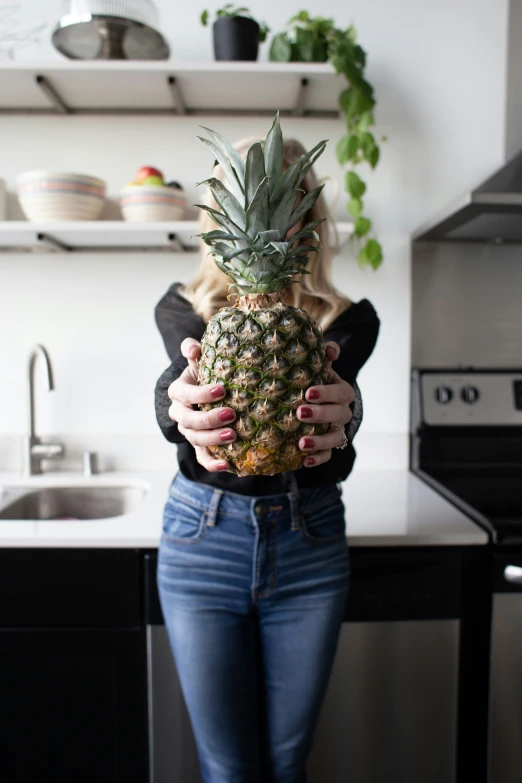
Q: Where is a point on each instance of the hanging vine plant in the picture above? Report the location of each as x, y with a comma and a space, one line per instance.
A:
316, 39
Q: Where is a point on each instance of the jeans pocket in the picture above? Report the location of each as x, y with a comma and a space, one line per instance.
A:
183, 523
324, 525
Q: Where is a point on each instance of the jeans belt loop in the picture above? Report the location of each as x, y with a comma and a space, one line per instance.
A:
293, 497
213, 506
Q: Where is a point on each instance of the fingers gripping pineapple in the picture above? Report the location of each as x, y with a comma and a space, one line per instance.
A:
265, 353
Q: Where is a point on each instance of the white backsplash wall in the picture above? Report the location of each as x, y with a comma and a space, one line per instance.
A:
439, 70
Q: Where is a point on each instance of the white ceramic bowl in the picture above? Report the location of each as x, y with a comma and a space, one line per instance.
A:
144, 203
53, 196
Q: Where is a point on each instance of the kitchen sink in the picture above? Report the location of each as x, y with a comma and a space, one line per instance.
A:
70, 503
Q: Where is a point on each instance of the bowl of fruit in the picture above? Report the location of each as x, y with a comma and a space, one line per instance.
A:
150, 198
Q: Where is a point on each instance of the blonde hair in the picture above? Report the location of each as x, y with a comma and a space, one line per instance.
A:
314, 292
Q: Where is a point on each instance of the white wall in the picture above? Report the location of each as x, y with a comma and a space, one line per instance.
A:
439, 69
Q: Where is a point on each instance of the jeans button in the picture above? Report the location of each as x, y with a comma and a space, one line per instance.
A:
260, 508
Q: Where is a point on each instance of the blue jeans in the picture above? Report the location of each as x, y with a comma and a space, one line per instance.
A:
253, 592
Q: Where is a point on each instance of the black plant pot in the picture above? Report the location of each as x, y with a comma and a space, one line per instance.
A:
236, 38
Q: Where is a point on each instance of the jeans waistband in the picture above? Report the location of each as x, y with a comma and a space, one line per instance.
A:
211, 499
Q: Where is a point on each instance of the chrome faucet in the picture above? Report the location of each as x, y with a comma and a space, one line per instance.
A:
34, 450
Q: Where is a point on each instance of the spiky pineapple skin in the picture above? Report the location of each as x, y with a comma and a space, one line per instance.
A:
266, 359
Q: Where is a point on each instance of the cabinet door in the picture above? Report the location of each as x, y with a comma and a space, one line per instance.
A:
73, 706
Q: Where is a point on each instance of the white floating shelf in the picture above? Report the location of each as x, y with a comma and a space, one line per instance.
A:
70, 87
107, 236
98, 235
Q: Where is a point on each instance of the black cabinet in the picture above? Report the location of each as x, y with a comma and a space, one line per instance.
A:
73, 688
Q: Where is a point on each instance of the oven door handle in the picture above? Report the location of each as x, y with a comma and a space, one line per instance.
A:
513, 574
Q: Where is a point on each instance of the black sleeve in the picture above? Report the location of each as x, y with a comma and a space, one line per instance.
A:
356, 339
175, 320
356, 336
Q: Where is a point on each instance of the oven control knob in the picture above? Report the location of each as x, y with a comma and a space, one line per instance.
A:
443, 394
469, 394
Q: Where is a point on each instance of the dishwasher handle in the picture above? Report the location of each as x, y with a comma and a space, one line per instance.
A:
513, 574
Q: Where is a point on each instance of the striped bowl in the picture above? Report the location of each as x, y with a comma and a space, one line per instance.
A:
55, 195
144, 203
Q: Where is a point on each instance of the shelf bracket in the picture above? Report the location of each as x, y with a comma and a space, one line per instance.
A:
177, 245
301, 98
179, 102
53, 243
52, 95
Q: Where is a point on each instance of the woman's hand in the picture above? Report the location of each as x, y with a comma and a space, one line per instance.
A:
334, 400
201, 428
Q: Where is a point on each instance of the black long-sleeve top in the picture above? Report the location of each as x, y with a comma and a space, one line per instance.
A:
355, 330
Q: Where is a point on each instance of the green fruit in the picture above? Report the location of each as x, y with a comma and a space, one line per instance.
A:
153, 181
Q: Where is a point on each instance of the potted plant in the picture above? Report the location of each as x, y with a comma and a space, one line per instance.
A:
236, 34
317, 39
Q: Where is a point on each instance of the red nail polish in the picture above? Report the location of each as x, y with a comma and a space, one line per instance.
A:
305, 413
226, 435
222, 466
313, 394
309, 461
226, 415
217, 392
308, 443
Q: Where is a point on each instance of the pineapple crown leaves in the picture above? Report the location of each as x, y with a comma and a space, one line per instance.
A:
257, 210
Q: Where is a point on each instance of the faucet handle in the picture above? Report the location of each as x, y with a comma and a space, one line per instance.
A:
48, 450
90, 463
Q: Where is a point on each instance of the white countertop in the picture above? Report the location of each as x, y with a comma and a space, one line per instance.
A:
383, 508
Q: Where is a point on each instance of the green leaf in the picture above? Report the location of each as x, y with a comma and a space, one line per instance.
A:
355, 207
232, 154
273, 153
280, 247
212, 236
354, 102
233, 180
225, 222
367, 142
373, 157
302, 208
254, 171
362, 258
271, 235
295, 173
366, 121
347, 147
354, 184
280, 49
362, 226
302, 16
373, 252
204, 18
228, 202
281, 214
305, 44
258, 213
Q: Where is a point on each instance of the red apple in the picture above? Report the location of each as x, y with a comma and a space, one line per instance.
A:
147, 171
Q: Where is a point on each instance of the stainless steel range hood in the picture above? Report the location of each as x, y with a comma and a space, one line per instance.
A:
490, 213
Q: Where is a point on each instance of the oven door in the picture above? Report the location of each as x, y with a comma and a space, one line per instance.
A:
505, 732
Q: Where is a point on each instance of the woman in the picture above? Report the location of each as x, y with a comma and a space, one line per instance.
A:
253, 572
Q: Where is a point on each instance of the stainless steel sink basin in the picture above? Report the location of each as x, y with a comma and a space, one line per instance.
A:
70, 503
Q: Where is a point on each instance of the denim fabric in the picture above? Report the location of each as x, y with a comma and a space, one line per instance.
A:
253, 592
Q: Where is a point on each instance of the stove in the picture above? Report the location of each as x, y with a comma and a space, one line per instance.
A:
467, 444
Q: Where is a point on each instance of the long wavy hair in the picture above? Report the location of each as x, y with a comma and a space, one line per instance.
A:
314, 293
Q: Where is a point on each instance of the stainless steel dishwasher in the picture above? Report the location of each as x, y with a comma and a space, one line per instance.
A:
506, 671
391, 711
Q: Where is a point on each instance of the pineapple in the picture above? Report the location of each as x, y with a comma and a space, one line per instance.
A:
265, 353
